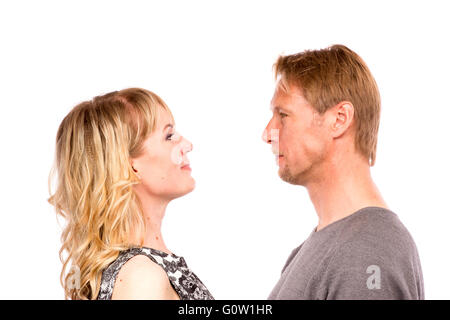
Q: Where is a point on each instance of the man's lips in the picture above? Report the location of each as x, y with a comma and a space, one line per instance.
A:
278, 157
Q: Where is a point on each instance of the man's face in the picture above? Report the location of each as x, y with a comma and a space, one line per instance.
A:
298, 137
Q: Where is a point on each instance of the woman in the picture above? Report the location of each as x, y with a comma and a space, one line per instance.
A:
119, 162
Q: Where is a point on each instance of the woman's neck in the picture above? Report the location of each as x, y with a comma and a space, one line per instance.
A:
154, 210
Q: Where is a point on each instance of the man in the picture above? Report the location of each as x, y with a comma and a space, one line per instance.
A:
326, 112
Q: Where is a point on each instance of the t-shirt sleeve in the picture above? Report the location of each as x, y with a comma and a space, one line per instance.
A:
365, 270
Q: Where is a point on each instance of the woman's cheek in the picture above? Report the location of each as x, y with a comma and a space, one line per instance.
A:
175, 156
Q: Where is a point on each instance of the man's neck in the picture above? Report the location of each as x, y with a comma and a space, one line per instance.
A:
345, 189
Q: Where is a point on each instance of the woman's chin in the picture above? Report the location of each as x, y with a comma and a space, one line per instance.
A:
191, 187
187, 188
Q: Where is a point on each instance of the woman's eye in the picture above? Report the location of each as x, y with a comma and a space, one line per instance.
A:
173, 136
282, 115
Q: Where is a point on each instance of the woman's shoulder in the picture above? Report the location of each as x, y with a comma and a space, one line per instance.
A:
141, 278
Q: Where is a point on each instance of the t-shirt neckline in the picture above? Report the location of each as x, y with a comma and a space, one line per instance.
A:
337, 222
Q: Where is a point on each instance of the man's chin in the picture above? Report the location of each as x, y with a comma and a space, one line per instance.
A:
288, 177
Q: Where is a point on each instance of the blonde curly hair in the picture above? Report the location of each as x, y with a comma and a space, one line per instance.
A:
94, 194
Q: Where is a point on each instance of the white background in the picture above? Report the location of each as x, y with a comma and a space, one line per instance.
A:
212, 63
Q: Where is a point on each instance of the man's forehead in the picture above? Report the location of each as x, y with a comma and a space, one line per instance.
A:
284, 97
279, 98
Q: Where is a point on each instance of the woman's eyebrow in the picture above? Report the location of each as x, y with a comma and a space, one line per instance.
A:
167, 126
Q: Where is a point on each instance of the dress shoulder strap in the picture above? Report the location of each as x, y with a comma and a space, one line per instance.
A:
109, 275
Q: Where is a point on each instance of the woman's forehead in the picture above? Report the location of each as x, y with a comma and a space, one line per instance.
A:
164, 119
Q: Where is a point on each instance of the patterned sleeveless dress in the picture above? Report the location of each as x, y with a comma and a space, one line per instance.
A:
186, 284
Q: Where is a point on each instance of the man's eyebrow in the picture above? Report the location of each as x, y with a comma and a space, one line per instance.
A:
277, 108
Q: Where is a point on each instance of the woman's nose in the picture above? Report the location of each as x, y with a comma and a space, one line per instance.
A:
187, 146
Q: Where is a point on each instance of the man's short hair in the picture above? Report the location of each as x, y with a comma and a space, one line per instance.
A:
332, 75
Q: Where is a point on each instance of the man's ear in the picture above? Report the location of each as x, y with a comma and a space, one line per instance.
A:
342, 116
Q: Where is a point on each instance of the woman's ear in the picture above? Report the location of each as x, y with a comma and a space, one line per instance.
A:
133, 165
342, 118
135, 171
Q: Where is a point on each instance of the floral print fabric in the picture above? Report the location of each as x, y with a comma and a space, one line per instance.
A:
186, 284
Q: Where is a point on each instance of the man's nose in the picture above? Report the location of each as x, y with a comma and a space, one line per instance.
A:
267, 133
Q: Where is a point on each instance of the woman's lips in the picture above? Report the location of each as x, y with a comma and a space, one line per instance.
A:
186, 167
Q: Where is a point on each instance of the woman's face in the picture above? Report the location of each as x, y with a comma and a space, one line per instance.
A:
164, 167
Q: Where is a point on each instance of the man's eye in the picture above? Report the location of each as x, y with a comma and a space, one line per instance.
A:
282, 115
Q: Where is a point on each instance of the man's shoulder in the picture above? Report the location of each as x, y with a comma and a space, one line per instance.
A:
375, 232
375, 224
374, 244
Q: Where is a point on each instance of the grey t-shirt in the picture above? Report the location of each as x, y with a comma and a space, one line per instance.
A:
366, 255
